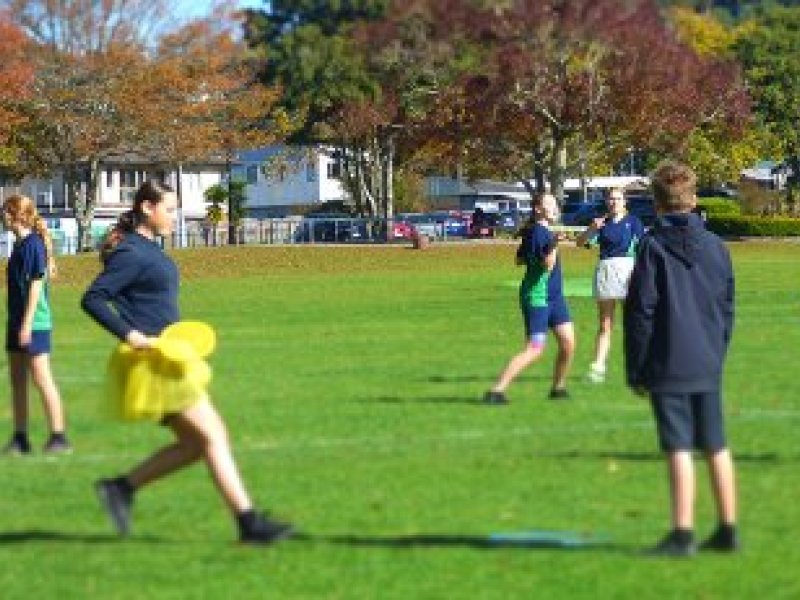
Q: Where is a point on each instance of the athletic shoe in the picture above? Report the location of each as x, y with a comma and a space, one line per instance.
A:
558, 394
724, 539
57, 445
596, 374
117, 501
17, 446
676, 543
492, 397
257, 528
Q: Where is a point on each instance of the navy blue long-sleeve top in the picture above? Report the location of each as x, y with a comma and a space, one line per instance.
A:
137, 289
679, 311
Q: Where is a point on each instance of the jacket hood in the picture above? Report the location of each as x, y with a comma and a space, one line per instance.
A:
681, 235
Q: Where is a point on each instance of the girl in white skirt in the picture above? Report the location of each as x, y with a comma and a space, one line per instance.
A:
617, 234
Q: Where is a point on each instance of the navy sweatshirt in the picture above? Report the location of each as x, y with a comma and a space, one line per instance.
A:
137, 289
678, 315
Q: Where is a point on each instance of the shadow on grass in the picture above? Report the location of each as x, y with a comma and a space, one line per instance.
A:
491, 378
43, 535
534, 540
428, 399
763, 457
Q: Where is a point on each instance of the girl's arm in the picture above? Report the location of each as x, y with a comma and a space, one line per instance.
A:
34, 293
121, 270
587, 235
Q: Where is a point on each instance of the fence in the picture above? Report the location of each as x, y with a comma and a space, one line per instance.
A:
281, 231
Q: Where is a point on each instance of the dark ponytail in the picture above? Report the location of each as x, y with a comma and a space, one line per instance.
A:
150, 191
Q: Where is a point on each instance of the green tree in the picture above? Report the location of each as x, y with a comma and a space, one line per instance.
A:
770, 56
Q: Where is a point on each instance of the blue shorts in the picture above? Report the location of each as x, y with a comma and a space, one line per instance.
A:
538, 319
689, 421
40, 342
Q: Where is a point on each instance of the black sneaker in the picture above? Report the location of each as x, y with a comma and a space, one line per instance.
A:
724, 539
117, 499
17, 446
256, 528
558, 394
677, 543
492, 397
57, 444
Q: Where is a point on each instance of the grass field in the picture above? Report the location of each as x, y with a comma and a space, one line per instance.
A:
350, 379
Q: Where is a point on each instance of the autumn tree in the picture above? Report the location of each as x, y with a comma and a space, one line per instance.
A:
16, 76
557, 84
212, 95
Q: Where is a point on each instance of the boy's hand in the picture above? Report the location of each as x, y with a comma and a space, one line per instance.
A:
25, 337
598, 223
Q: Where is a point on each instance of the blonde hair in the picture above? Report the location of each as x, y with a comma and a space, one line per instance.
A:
674, 186
22, 210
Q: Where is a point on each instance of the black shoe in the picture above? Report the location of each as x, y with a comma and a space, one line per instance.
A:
256, 528
57, 444
491, 397
17, 446
677, 543
117, 499
724, 539
559, 394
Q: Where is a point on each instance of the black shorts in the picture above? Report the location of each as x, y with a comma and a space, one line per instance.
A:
689, 421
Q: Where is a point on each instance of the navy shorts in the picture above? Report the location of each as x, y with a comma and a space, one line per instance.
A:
539, 319
40, 342
689, 421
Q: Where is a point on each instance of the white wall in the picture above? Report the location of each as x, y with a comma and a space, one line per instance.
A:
298, 186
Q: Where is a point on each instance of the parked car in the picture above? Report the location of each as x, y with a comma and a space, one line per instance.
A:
510, 221
423, 223
453, 224
482, 224
402, 230
330, 228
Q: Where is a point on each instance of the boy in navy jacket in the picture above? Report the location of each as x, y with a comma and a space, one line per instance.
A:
677, 326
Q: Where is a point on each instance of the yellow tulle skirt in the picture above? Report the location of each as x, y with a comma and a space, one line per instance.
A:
165, 379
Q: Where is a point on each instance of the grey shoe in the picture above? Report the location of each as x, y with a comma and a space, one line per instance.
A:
491, 397
57, 445
676, 544
257, 528
117, 501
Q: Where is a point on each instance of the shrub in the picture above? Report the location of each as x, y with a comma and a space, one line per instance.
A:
746, 225
718, 206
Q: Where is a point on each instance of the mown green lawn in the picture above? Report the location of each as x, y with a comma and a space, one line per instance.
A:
350, 379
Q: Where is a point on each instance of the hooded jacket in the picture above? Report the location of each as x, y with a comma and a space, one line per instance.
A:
678, 315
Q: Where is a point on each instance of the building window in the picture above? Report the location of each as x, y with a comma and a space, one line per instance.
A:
43, 201
109, 178
334, 170
252, 174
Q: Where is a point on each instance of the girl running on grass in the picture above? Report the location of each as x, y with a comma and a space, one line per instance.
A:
617, 235
29, 325
135, 298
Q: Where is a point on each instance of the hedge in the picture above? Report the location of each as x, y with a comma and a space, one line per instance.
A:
718, 206
753, 226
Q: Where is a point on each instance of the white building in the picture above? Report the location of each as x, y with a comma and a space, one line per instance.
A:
283, 181
120, 177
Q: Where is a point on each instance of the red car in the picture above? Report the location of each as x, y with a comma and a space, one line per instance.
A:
401, 230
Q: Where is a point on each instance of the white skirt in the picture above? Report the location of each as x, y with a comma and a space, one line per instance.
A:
612, 277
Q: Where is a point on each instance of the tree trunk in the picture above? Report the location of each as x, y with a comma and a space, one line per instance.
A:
558, 167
